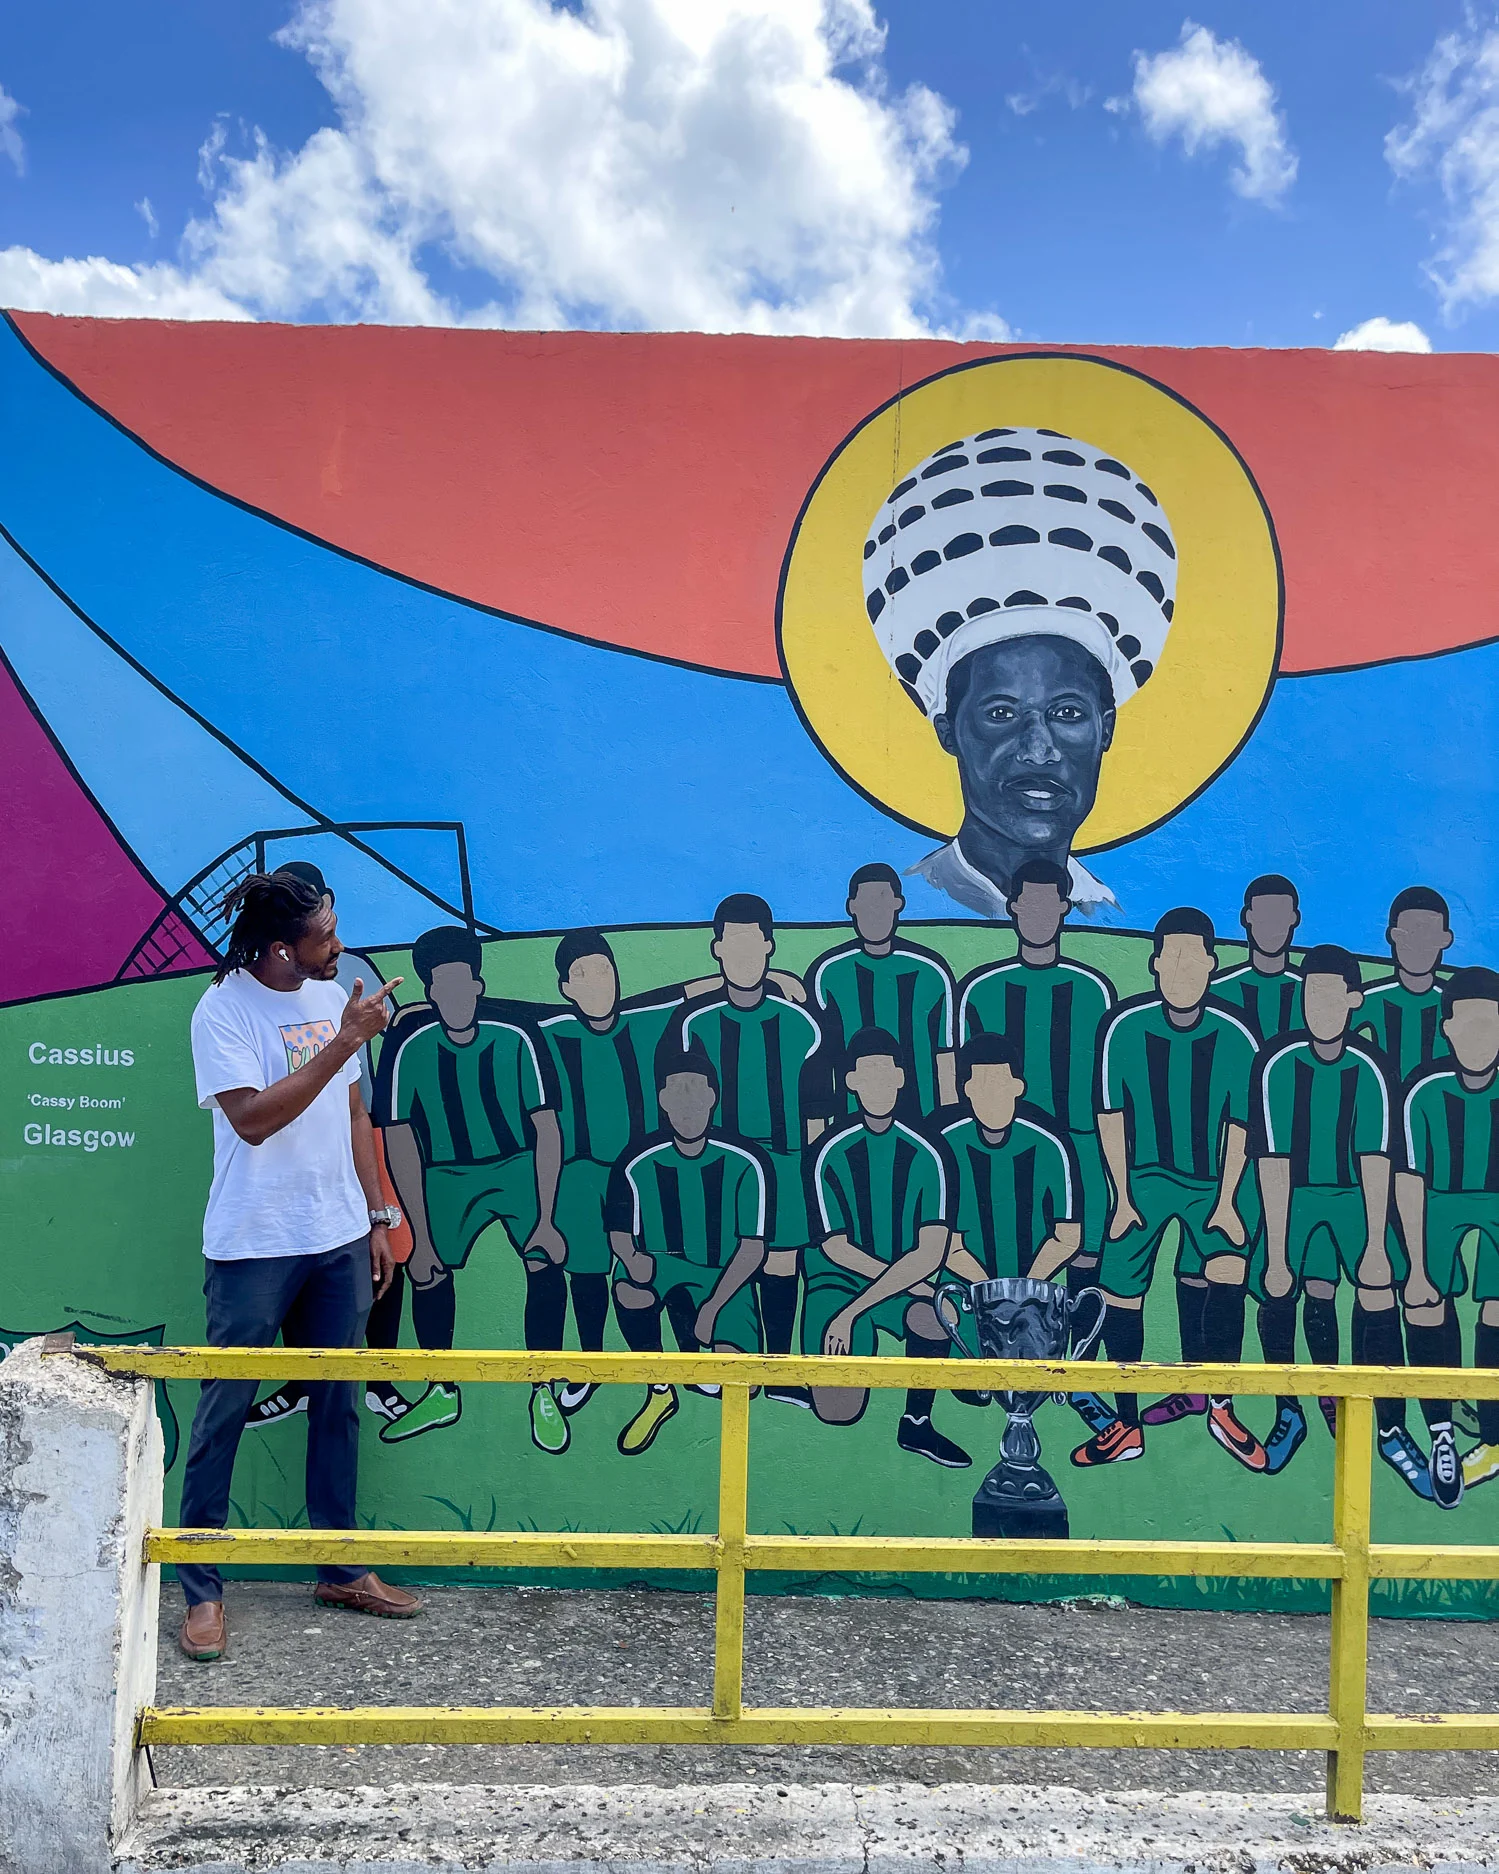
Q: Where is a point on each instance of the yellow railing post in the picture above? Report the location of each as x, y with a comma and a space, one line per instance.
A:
733, 1487
1349, 1664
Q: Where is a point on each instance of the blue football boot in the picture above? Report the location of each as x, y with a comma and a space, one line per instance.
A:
1287, 1435
1092, 1410
1404, 1456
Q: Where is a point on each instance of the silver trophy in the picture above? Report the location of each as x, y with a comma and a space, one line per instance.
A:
1015, 1318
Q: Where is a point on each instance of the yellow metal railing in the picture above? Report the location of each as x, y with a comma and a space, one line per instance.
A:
1348, 1562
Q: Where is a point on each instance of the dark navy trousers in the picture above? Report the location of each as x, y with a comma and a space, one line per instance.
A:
311, 1301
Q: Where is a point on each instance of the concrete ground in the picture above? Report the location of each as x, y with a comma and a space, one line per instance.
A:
523, 1646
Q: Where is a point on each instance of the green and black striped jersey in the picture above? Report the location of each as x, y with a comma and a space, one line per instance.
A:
467, 1105
696, 1208
1176, 1087
1055, 1017
909, 993
606, 1082
1268, 1005
1010, 1196
1321, 1115
1406, 1028
879, 1189
1451, 1132
774, 1071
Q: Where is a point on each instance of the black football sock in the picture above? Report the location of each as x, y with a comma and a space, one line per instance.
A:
1223, 1324
1376, 1341
641, 1327
1486, 1353
919, 1399
590, 1295
433, 1312
546, 1306
1191, 1306
1319, 1322
1433, 1346
681, 1311
383, 1329
1276, 1322
778, 1310
1081, 1273
1124, 1341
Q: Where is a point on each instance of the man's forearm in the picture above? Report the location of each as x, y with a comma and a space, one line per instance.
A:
1410, 1207
259, 1114
905, 1272
548, 1161
366, 1159
1275, 1196
1115, 1155
741, 1268
837, 1248
1374, 1176
404, 1162
1235, 1153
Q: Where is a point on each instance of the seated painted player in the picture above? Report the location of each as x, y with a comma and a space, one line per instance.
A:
602, 1056
1052, 1011
1447, 1190
776, 1080
881, 1190
1322, 1149
1265, 992
881, 980
1402, 1013
686, 1216
1174, 1074
1016, 1206
471, 1138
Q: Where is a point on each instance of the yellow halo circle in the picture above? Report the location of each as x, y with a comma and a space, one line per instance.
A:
1181, 729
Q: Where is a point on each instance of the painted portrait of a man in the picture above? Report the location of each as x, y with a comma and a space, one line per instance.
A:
1021, 584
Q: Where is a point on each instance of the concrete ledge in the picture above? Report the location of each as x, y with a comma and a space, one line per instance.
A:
827, 1828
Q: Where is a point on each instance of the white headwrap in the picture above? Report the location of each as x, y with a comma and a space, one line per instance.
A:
1014, 533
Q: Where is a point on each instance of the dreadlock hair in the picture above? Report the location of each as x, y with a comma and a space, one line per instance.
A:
268, 908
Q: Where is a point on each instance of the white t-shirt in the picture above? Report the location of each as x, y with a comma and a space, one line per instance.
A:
297, 1194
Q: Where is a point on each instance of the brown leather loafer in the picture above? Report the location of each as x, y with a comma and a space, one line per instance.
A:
204, 1635
369, 1595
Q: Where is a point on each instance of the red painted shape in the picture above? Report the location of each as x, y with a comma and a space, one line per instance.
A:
640, 489
57, 852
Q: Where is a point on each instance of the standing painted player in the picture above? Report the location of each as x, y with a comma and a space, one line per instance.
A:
686, 1217
1265, 992
1174, 1074
1015, 1208
472, 1139
776, 1091
1052, 1012
602, 1058
1402, 1014
1322, 1145
881, 1190
882, 981
1446, 1187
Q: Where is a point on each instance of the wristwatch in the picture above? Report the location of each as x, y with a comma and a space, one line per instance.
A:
390, 1216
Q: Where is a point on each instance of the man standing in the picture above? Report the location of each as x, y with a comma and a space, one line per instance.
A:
471, 1137
1402, 1014
1446, 1188
1016, 1208
686, 1218
289, 1235
1322, 1121
1174, 1074
776, 1089
882, 1195
1265, 992
882, 981
1052, 1012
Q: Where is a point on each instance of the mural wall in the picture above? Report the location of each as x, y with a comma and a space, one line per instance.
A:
855, 821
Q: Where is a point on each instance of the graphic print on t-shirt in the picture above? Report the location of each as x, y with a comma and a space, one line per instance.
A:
304, 1039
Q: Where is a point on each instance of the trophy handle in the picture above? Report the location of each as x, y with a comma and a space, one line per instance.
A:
948, 1290
1083, 1346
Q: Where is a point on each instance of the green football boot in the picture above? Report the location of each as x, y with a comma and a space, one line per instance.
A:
549, 1427
439, 1405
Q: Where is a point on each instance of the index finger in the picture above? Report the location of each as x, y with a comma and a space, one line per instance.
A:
389, 990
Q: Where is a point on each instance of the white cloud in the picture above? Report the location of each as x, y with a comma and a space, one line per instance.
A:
713, 165
1210, 91
10, 137
1453, 134
148, 214
104, 289
1381, 334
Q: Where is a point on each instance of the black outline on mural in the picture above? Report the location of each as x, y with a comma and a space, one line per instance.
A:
322, 822
359, 559
1007, 357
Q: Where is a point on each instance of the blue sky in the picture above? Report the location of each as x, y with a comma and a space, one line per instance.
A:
1064, 172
